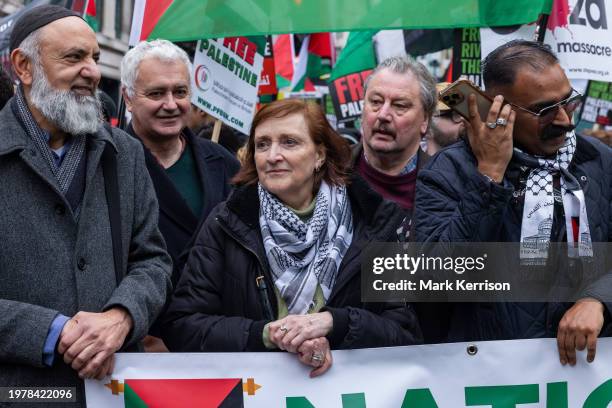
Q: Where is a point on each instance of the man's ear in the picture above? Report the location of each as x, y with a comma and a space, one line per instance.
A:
22, 66
126, 98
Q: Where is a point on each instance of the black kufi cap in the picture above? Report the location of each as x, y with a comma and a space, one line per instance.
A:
38, 17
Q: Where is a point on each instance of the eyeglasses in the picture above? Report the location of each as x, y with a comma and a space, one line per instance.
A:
548, 114
451, 115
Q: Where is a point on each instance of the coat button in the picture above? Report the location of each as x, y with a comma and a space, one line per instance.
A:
583, 178
81, 264
60, 209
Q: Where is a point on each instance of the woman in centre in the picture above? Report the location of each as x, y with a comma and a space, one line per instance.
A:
277, 266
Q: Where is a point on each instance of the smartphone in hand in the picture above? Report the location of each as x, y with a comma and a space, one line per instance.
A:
455, 96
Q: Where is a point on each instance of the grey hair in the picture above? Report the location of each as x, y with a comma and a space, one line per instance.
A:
163, 50
401, 64
30, 47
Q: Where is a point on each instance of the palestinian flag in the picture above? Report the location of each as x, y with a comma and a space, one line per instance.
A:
357, 55
298, 73
190, 20
412, 42
147, 14
89, 14
421, 42
88, 9
283, 60
179, 393
320, 56
301, 78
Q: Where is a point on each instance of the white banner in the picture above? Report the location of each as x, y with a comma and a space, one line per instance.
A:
493, 37
499, 374
225, 80
389, 43
583, 42
580, 36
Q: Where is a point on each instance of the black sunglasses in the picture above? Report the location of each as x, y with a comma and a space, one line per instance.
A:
548, 114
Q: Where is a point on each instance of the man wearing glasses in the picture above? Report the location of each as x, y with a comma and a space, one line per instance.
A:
523, 173
446, 126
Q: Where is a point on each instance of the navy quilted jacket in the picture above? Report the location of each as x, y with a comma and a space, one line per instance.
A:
455, 203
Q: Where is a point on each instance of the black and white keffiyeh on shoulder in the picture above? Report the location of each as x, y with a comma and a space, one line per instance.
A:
539, 205
304, 254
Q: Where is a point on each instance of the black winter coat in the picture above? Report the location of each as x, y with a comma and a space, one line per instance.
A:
455, 203
177, 222
220, 301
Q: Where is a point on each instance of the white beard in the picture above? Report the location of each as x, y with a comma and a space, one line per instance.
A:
71, 113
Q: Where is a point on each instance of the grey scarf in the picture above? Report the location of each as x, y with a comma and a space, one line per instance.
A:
66, 171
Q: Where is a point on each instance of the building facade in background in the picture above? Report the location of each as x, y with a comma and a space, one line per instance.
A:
114, 18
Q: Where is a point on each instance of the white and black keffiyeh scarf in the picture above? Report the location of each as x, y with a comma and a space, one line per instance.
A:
304, 254
539, 205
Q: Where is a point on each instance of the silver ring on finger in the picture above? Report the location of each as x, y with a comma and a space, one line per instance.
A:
317, 358
492, 125
501, 122
284, 329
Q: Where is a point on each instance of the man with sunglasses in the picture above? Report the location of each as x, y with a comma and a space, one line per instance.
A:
446, 126
523, 173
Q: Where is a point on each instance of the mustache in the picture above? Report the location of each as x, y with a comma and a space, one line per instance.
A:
383, 128
554, 131
87, 85
168, 115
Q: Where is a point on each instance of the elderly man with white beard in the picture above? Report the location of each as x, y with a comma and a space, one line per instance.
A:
81, 277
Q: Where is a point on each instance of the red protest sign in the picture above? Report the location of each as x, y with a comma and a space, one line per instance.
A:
347, 94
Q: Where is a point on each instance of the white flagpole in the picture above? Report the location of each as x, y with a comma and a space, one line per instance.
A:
137, 18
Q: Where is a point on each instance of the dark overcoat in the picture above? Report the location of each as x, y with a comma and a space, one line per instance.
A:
177, 222
51, 262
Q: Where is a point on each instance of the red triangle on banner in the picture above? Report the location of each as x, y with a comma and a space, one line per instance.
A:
91, 8
169, 393
320, 44
152, 13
